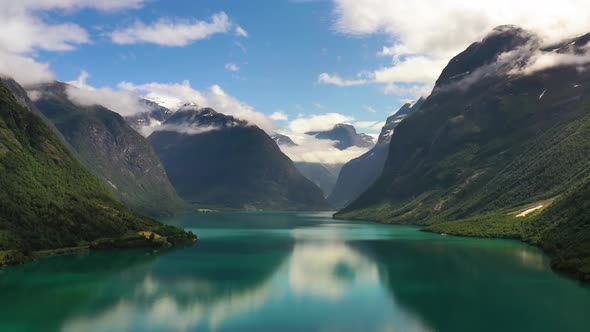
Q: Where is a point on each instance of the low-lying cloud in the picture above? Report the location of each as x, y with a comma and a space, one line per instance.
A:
122, 102
313, 150
319, 122
173, 95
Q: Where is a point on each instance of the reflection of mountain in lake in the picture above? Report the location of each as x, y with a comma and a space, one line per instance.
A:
60, 286
199, 294
501, 283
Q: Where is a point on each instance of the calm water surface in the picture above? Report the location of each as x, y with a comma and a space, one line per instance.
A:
297, 272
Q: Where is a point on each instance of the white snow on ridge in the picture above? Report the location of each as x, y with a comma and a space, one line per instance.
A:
529, 211
542, 94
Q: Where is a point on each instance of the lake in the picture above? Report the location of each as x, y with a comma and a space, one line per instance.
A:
287, 271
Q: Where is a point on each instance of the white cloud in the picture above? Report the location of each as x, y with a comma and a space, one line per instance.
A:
26, 30
312, 150
172, 95
369, 125
545, 60
326, 78
445, 27
232, 67
413, 91
429, 32
411, 69
122, 102
240, 32
171, 33
370, 109
317, 122
279, 116
24, 70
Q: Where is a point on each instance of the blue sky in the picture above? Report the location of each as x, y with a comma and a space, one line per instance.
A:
285, 65
289, 44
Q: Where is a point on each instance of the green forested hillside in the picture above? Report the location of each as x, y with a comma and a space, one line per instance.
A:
115, 153
485, 146
49, 200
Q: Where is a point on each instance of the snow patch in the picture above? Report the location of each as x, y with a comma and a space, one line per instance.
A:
529, 211
542, 94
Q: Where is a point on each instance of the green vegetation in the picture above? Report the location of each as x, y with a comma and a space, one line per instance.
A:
49, 200
113, 151
472, 156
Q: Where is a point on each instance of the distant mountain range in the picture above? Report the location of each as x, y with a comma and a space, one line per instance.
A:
103, 141
359, 174
215, 160
322, 174
499, 149
345, 135
49, 200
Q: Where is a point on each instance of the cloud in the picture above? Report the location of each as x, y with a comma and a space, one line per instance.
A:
240, 32
545, 60
26, 30
370, 109
326, 78
411, 69
232, 67
173, 33
370, 125
445, 27
173, 95
24, 70
279, 116
184, 129
122, 102
428, 33
412, 91
312, 150
317, 122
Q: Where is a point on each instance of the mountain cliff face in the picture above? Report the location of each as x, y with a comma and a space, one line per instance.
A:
499, 132
216, 160
345, 135
49, 200
120, 157
360, 173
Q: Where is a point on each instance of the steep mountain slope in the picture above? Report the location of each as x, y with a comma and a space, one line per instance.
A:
120, 157
49, 200
360, 173
219, 161
282, 140
321, 174
145, 122
345, 135
499, 132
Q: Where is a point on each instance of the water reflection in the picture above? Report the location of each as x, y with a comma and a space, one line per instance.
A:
276, 272
328, 270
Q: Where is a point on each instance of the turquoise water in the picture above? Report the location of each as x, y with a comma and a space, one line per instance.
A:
297, 272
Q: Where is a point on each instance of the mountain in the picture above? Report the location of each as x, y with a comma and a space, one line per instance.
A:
145, 122
359, 174
49, 201
217, 160
282, 140
115, 153
496, 150
321, 174
326, 175
345, 135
